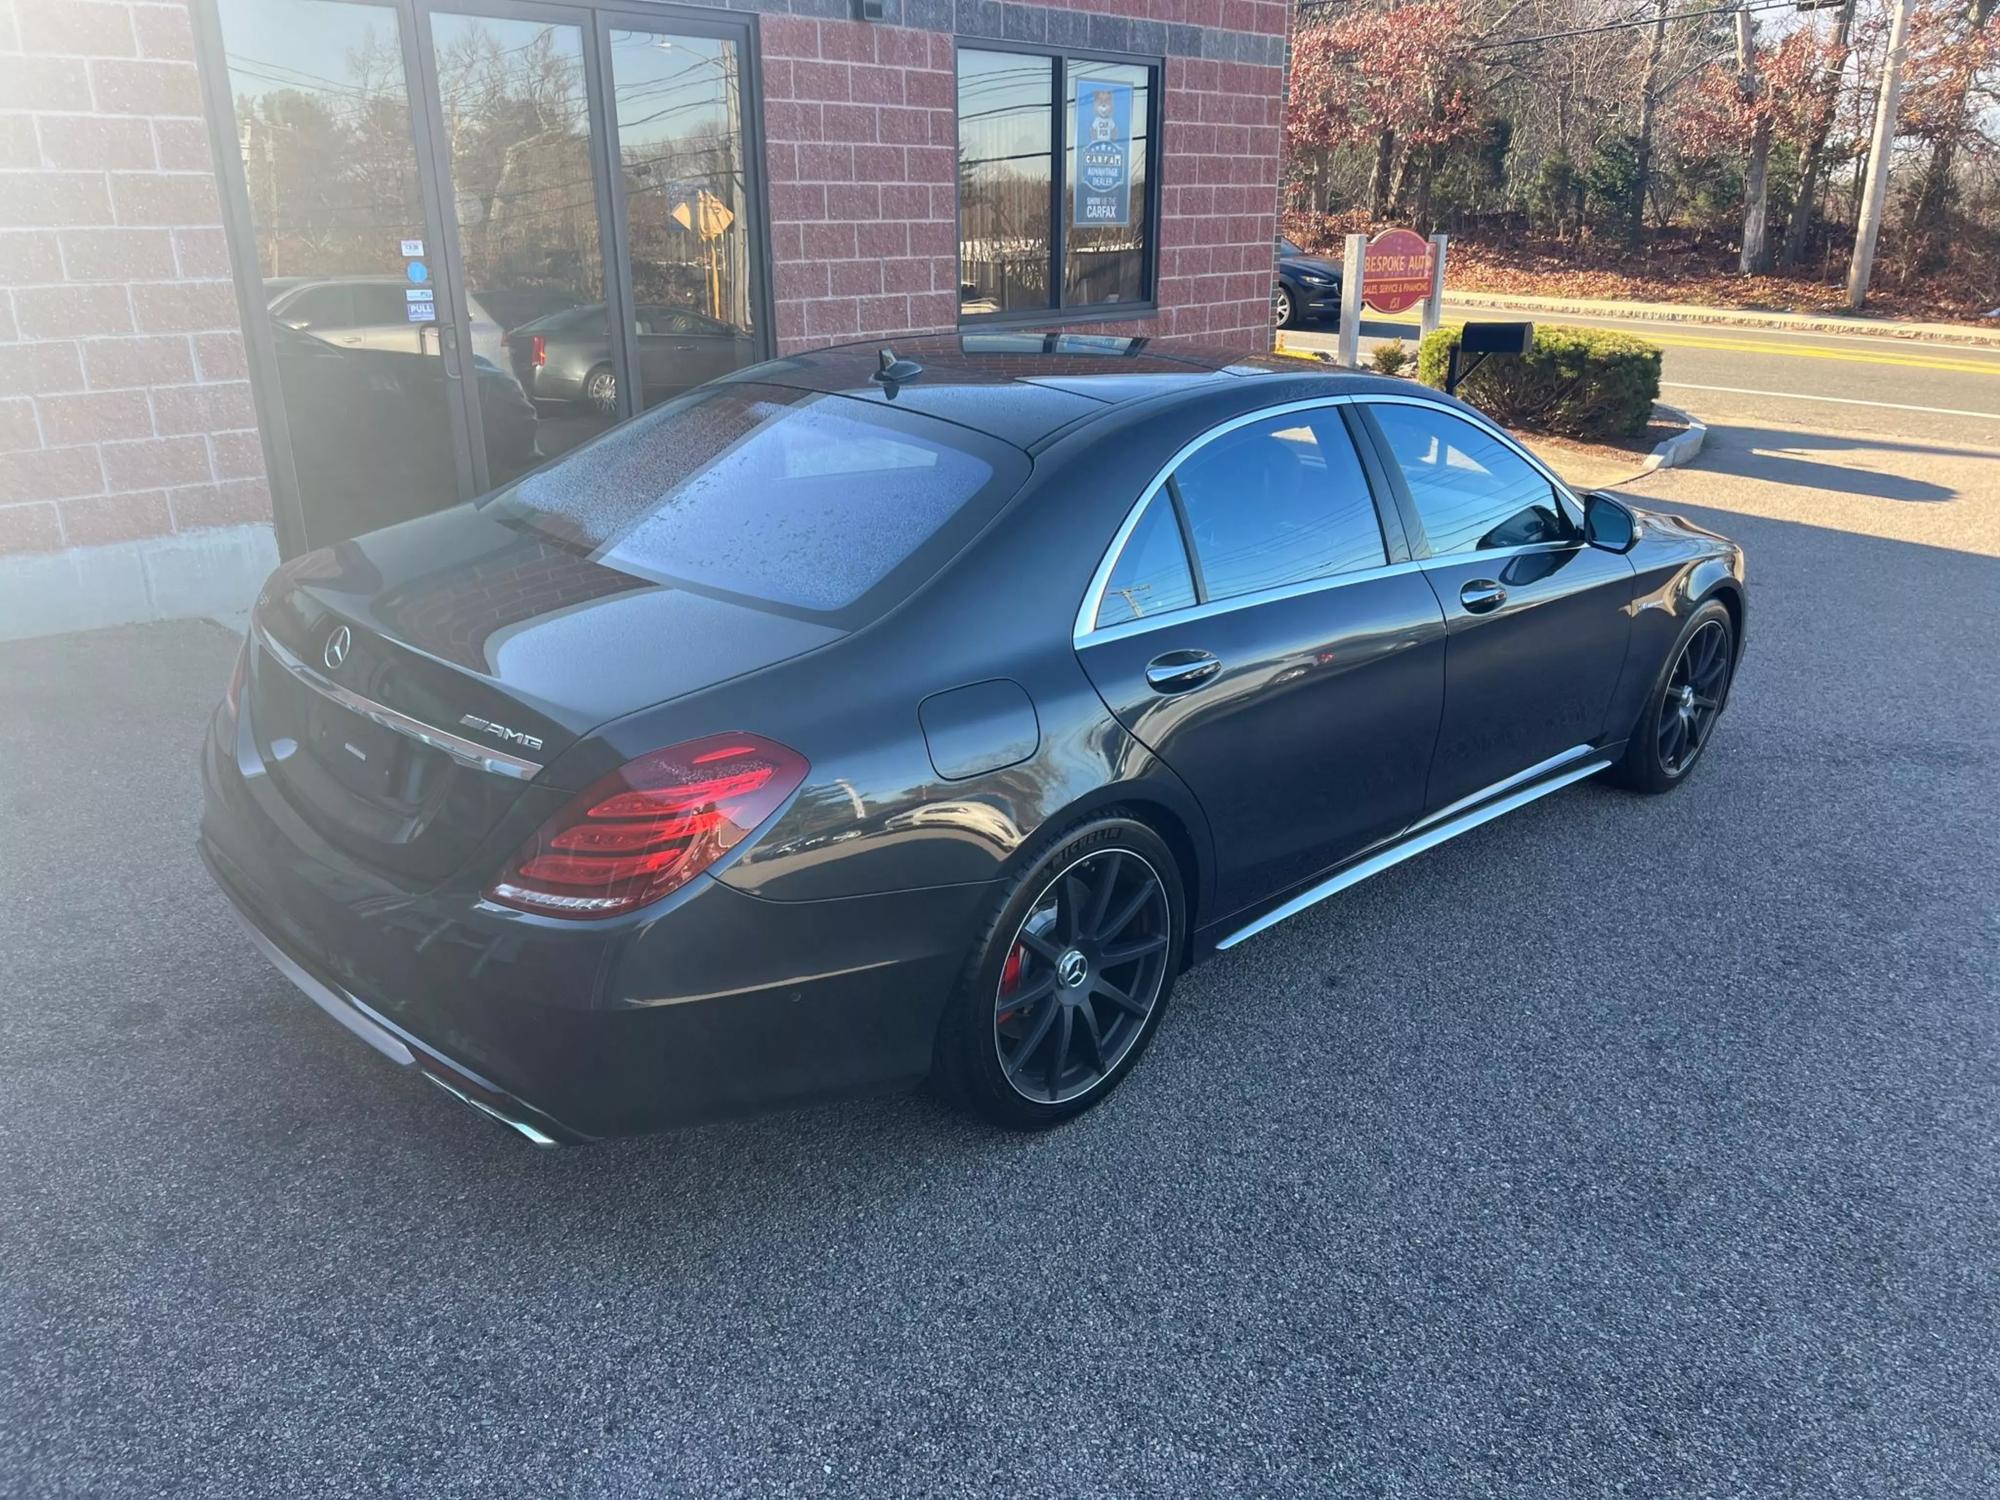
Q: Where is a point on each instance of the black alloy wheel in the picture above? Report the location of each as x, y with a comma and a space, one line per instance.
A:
1681, 712
1070, 980
1080, 980
1693, 697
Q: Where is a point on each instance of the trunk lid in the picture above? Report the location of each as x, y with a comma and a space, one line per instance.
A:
408, 688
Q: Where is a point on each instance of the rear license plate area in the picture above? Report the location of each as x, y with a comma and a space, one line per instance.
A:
361, 755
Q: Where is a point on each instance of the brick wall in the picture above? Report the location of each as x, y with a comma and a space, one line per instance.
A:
861, 130
125, 411
861, 126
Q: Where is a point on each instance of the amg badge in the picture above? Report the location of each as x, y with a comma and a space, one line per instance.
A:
512, 736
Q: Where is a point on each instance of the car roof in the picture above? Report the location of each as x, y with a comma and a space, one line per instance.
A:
1025, 387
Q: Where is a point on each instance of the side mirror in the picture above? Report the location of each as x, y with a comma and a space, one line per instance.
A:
296, 324
1609, 524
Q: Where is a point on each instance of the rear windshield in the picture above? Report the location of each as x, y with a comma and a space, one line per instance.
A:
806, 502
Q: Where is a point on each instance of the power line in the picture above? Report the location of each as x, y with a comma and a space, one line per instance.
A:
1643, 21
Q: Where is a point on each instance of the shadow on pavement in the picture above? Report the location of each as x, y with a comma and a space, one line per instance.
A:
1770, 454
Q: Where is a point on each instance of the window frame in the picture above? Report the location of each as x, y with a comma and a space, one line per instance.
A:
1388, 518
1566, 503
1059, 191
1408, 551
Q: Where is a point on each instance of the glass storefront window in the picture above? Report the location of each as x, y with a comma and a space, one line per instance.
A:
517, 131
678, 107
1017, 113
1006, 154
331, 172
1106, 262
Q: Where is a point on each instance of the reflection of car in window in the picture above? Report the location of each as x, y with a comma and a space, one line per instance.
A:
370, 312
566, 357
364, 426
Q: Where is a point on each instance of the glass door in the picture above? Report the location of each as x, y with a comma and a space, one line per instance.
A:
686, 186
523, 171
486, 230
343, 218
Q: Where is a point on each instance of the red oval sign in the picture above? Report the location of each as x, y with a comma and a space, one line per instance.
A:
1396, 271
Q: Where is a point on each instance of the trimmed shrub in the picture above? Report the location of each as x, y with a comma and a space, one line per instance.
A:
1575, 382
1390, 358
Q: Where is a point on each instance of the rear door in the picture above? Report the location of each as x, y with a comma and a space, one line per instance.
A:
1538, 619
1264, 631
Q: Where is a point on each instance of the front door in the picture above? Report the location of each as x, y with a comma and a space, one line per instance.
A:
1538, 620
465, 216
1264, 637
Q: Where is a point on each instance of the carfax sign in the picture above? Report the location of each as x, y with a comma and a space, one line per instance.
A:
1103, 153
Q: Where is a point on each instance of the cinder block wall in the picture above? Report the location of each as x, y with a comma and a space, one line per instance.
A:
125, 410
861, 125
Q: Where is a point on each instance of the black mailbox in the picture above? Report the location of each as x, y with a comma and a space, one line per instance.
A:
1498, 338
1479, 340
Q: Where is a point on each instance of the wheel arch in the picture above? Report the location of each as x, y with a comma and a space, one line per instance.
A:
1165, 812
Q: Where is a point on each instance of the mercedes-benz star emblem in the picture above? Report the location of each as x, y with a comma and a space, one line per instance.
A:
337, 646
1073, 969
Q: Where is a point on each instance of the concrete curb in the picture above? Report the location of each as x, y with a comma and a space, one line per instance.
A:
1679, 449
1674, 312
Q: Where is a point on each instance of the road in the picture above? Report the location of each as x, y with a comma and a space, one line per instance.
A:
1624, 1146
1776, 378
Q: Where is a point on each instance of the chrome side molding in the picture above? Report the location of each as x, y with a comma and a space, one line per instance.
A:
464, 751
1429, 835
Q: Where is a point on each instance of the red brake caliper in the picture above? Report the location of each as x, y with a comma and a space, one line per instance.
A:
1010, 977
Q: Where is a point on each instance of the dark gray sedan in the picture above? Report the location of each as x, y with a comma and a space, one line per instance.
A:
566, 357
873, 716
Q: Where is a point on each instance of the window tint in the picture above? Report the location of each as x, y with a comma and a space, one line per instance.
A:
1276, 502
1471, 491
804, 501
1152, 573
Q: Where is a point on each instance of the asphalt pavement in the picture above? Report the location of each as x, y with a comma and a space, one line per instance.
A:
1622, 1147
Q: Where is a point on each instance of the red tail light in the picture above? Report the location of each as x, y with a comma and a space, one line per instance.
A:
650, 827
538, 351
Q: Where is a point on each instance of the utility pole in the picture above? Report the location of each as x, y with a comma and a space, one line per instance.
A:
1869, 229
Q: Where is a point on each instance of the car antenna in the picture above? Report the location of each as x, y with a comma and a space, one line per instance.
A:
893, 372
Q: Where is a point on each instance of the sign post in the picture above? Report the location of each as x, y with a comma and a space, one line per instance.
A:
1434, 298
1350, 300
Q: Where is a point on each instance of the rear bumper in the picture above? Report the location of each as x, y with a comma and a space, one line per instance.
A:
713, 1004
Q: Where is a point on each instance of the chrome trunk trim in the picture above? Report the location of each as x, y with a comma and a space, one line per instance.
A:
464, 751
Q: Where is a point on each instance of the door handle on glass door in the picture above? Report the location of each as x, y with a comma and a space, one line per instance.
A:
1481, 595
1177, 671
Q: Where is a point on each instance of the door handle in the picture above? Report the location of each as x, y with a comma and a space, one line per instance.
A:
448, 348
1177, 671
1482, 595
